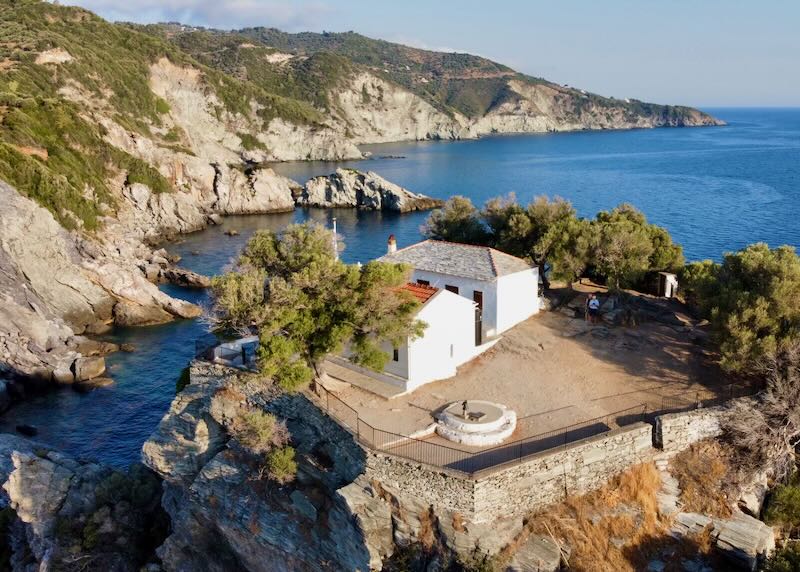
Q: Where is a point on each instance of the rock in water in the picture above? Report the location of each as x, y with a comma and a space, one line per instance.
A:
130, 314
88, 368
370, 191
186, 278
88, 385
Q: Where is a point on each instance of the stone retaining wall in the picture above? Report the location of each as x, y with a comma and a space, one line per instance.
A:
517, 490
674, 432
550, 476
545, 478
436, 487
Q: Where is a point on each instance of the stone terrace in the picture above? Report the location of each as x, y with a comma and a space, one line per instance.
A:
556, 370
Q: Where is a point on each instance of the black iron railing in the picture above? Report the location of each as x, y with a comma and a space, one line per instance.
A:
705, 398
470, 462
473, 462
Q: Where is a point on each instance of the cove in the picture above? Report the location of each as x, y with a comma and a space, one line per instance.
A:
715, 189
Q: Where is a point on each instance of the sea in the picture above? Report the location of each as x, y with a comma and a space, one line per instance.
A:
716, 189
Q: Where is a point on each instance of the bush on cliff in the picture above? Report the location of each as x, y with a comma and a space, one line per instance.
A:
281, 466
258, 431
751, 299
305, 303
786, 559
765, 430
783, 508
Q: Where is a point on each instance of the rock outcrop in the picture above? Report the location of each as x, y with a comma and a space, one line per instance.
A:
56, 284
369, 191
223, 515
332, 517
65, 511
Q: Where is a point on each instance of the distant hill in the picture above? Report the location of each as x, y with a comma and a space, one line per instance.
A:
84, 101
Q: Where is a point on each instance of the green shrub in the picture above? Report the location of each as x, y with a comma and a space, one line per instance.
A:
786, 559
141, 172
250, 142
173, 135
162, 107
751, 301
139, 487
90, 535
783, 507
257, 430
281, 465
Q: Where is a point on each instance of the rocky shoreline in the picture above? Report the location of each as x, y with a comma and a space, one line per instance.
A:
61, 287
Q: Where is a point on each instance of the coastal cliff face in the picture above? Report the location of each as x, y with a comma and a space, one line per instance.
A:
223, 515
332, 517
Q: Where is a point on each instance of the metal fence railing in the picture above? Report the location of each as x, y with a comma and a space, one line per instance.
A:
470, 462
701, 399
473, 462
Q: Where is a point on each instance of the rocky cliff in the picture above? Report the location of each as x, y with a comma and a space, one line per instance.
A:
332, 517
381, 91
64, 514
370, 191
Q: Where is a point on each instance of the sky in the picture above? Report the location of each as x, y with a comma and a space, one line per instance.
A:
705, 53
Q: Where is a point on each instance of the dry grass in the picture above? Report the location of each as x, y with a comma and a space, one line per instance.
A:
427, 529
704, 474
616, 528
600, 525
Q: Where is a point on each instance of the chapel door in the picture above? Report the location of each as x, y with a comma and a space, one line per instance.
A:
477, 297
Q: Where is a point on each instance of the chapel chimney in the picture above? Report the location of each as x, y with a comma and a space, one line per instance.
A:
391, 246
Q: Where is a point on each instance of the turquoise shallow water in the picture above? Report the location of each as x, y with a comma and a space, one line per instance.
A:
715, 189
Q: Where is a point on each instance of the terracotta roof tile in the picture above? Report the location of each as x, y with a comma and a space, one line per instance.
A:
421, 292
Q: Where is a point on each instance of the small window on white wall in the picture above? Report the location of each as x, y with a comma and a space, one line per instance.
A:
396, 355
451, 350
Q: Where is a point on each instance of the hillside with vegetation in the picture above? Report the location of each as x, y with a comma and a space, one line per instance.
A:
69, 78
457, 84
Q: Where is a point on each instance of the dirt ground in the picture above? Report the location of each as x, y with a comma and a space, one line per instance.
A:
555, 370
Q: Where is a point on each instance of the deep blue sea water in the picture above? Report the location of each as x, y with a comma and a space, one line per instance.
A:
715, 189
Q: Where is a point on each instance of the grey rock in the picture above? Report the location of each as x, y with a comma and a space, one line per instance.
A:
537, 554
185, 278
88, 367
370, 191
63, 375
152, 271
743, 539
303, 506
54, 498
88, 347
131, 314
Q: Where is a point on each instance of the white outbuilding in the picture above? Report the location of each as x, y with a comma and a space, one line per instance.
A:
468, 295
448, 340
504, 288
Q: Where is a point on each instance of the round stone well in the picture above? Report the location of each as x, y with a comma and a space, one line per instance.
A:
476, 423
